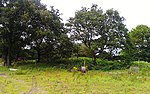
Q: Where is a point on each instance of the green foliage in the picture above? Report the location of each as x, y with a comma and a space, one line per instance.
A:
98, 31
140, 39
1, 61
111, 65
144, 66
80, 50
101, 64
41, 79
80, 61
3, 69
10, 30
21, 72
30, 30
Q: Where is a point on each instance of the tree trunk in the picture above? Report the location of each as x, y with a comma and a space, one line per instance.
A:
94, 57
7, 58
39, 56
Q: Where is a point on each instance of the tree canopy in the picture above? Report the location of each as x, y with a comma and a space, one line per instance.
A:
29, 30
99, 31
140, 38
28, 24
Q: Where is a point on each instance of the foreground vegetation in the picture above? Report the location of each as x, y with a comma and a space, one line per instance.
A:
44, 79
31, 34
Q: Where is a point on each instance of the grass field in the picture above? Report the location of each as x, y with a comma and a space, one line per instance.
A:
32, 79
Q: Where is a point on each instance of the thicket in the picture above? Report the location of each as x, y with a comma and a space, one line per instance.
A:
30, 33
69, 63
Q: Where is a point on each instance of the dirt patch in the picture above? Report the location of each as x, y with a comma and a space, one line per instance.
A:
3, 75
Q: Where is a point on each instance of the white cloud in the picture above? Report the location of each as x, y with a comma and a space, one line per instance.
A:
135, 11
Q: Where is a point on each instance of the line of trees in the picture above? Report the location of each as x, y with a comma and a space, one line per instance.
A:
29, 30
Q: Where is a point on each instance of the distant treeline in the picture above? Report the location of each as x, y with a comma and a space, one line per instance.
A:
29, 31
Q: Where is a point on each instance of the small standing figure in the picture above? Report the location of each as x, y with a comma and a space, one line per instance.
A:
83, 68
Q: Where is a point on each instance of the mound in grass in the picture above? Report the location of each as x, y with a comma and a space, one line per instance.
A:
143, 65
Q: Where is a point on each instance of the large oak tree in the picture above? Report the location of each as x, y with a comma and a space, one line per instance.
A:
140, 39
99, 31
28, 24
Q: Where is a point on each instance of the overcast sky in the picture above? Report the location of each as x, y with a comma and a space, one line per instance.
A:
135, 12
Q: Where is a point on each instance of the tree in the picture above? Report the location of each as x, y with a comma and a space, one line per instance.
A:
28, 24
97, 30
140, 38
80, 50
126, 54
11, 29
57, 43
83, 27
113, 35
39, 18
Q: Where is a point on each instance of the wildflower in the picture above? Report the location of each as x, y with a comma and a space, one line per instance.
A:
75, 68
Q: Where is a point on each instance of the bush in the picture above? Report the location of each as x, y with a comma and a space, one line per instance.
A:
1, 61
142, 65
109, 65
101, 64
69, 63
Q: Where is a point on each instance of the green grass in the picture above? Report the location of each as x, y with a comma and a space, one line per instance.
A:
43, 79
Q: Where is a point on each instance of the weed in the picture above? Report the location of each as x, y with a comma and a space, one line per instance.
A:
35, 79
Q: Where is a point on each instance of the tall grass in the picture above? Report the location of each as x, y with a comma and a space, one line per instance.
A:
42, 79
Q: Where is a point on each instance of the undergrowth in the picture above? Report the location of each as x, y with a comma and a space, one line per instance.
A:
43, 79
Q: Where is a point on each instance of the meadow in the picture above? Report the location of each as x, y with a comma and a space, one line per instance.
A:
44, 79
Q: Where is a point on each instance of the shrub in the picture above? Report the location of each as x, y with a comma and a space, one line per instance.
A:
69, 63
109, 65
142, 65
101, 64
